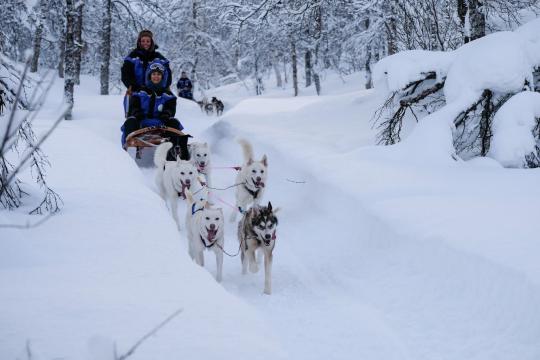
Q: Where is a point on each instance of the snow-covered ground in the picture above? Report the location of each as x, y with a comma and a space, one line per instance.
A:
379, 255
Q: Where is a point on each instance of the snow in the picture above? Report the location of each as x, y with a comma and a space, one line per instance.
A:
393, 252
498, 62
513, 126
530, 32
394, 72
502, 62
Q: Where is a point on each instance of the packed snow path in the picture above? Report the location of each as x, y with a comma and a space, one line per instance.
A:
345, 283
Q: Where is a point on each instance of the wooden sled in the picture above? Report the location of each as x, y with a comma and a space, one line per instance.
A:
149, 137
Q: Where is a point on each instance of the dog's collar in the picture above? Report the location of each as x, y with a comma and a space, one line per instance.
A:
204, 242
193, 211
251, 192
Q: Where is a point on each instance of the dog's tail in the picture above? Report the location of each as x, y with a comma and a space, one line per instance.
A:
160, 156
247, 149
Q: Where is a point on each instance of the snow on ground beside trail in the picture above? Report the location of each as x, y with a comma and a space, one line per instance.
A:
449, 271
111, 265
378, 255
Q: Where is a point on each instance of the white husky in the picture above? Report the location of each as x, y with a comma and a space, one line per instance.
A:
205, 230
252, 178
173, 178
200, 157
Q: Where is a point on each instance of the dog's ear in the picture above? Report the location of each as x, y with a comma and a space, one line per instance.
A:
264, 160
269, 206
206, 205
250, 161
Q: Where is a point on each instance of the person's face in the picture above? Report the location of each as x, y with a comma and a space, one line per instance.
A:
146, 42
155, 77
183, 74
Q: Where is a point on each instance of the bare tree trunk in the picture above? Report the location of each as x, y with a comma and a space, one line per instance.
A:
285, 74
38, 35
196, 44
78, 40
294, 67
258, 80
318, 36
69, 58
62, 49
462, 10
391, 29
369, 81
279, 82
308, 68
477, 19
105, 47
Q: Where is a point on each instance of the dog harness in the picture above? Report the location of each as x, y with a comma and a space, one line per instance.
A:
204, 242
193, 211
251, 192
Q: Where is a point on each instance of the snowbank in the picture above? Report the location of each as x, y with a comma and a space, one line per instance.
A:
501, 62
513, 126
111, 265
497, 62
396, 71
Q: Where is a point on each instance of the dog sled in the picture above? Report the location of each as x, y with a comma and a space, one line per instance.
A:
149, 137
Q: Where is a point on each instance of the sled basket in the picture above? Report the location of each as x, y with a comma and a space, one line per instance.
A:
150, 136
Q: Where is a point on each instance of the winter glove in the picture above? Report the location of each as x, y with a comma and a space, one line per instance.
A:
164, 116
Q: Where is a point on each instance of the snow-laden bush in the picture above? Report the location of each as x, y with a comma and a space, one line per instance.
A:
22, 96
472, 83
516, 129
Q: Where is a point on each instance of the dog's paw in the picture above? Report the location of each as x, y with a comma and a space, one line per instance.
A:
268, 291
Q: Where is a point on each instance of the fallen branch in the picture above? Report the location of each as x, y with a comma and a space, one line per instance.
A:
145, 337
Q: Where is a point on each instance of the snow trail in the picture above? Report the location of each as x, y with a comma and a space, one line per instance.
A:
346, 281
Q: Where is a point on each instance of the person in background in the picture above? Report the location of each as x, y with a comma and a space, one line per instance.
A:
185, 87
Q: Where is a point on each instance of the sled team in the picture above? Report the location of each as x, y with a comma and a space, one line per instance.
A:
183, 170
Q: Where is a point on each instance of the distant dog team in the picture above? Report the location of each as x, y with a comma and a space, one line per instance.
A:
209, 107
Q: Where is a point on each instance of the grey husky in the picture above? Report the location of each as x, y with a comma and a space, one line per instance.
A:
252, 179
257, 231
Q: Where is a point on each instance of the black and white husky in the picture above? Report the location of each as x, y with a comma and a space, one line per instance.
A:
205, 228
200, 157
257, 231
252, 179
173, 178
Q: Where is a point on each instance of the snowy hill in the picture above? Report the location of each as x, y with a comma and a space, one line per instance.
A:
379, 255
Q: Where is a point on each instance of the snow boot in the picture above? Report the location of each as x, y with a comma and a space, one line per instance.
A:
180, 147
